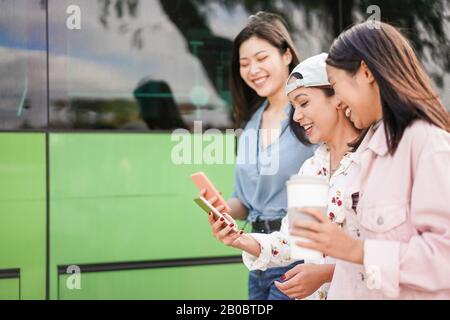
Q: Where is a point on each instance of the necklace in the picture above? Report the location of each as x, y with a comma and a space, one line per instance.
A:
333, 170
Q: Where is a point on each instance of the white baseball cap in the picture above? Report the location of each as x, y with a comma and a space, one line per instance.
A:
311, 72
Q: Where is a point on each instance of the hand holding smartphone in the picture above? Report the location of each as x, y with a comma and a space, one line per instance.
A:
202, 182
208, 207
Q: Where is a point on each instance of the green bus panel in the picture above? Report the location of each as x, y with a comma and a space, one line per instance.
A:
121, 198
23, 209
197, 283
9, 289
120, 230
107, 165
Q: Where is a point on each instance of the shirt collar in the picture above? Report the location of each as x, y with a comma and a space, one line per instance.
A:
375, 141
287, 109
322, 153
344, 164
378, 142
285, 122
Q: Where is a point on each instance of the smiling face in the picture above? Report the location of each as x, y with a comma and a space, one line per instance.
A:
316, 112
359, 92
263, 67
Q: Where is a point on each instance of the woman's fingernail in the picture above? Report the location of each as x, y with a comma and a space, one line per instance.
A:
232, 225
241, 232
283, 277
222, 219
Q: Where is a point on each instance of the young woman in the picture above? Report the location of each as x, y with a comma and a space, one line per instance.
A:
262, 58
401, 249
316, 117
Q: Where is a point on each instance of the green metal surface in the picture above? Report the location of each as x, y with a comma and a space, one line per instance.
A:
9, 289
120, 198
23, 210
198, 283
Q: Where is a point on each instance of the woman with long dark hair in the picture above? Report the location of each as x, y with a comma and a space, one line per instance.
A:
268, 152
396, 244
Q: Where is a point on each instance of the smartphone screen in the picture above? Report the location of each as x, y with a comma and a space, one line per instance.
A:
204, 204
207, 207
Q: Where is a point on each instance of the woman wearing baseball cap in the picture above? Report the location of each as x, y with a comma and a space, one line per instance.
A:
263, 55
318, 117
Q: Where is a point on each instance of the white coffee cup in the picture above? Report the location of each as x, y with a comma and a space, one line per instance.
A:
302, 192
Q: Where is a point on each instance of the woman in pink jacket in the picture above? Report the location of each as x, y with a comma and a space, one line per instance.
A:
401, 195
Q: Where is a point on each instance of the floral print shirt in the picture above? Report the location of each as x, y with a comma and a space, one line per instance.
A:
275, 247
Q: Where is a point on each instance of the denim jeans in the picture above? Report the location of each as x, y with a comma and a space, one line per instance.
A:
261, 283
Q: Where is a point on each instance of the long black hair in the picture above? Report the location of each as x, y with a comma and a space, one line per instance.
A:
405, 89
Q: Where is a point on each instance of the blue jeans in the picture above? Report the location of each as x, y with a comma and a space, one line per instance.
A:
261, 283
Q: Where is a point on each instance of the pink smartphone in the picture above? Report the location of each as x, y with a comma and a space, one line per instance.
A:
202, 182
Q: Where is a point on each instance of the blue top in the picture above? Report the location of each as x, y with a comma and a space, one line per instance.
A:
261, 175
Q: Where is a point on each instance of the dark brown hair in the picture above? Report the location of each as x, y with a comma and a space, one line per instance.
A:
266, 26
405, 89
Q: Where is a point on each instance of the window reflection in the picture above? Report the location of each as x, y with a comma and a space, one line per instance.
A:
157, 106
160, 64
22, 65
131, 68
182, 47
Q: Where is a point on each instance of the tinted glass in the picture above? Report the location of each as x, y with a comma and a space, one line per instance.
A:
23, 67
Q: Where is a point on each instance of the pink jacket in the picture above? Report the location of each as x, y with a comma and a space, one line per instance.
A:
403, 214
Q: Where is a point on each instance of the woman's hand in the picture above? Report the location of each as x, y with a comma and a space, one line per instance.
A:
224, 231
238, 210
327, 238
227, 232
305, 279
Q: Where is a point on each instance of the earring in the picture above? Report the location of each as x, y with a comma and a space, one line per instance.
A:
348, 112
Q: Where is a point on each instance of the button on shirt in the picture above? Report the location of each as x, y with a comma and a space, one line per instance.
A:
261, 174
